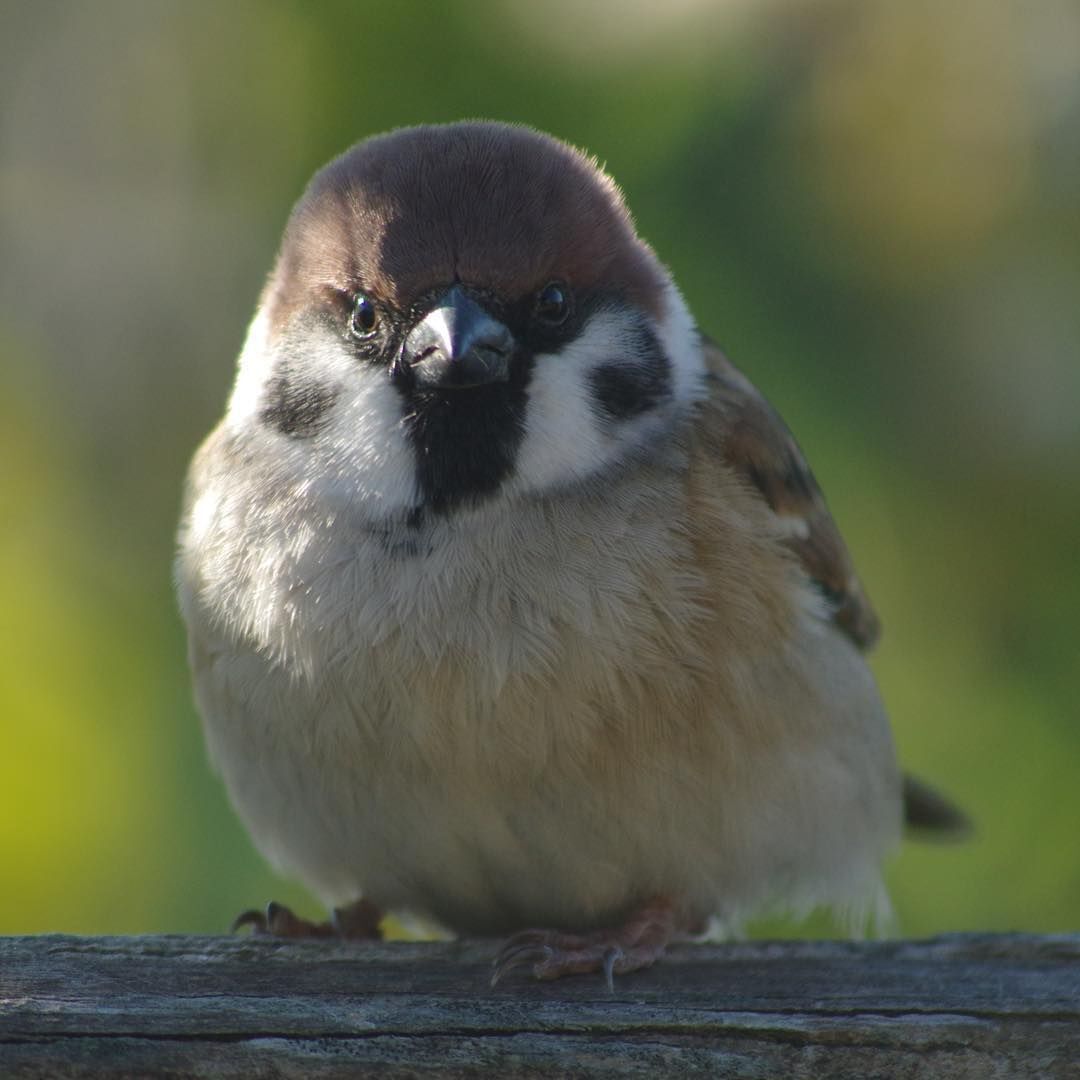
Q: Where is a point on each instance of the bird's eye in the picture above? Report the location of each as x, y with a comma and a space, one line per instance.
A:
553, 304
365, 317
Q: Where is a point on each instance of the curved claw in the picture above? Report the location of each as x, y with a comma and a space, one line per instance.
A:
253, 918
611, 960
521, 956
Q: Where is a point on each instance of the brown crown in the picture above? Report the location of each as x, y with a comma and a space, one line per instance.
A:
491, 205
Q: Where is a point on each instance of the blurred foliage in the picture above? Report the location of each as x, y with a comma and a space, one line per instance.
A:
875, 207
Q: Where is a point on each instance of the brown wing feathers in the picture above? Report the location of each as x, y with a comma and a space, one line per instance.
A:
759, 445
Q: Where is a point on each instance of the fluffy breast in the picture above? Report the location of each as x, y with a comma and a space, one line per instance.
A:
539, 710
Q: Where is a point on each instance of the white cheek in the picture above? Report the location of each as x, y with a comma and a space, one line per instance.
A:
364, 453
246, 399
679, 339
360, 457
565, 439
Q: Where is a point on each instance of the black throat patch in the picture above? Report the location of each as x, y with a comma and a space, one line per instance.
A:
465, 441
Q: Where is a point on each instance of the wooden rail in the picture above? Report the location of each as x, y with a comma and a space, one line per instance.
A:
978, 1006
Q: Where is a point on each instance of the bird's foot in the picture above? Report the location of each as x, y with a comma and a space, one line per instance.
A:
356, 922
639, 942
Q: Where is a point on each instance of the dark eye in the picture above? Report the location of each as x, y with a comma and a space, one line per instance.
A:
553, 304
365, 317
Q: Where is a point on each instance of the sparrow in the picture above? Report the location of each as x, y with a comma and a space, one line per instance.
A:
511, 602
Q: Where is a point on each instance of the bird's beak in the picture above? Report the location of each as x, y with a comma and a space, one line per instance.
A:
457, 345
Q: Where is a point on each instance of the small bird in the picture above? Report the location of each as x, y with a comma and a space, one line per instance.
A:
511, 602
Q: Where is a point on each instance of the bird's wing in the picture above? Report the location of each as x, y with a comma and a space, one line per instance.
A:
758, 446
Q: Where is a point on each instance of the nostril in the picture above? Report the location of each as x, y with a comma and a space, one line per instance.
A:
423, 354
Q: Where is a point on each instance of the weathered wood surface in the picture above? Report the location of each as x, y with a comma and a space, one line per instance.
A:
979, 1006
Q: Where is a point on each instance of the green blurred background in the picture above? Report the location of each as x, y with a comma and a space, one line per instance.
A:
874, 207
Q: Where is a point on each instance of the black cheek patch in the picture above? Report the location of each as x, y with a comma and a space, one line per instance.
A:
623, 389
296, 406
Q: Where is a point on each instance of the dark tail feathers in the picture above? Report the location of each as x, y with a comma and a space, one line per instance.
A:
929, 815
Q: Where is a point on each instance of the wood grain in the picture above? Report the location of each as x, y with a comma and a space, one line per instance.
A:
979, 1006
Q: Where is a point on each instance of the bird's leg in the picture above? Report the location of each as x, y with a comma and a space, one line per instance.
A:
637, 943
358, 921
